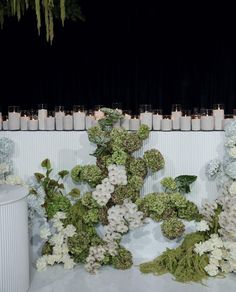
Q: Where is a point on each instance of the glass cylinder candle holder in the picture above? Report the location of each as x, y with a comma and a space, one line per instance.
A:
13, 118
50, 121
79, 117
176, 113
24, 120
33, 123
98, 114
196, 122
227, 119
134, 123
207, 120
89, 119
166, 123
68, 121
0, 120
145, 111
234, 111
42, 115
59, 117
218, 114
185, 120
5, 123
125, 121
156, 119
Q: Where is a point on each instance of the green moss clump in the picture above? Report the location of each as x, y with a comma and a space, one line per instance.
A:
172, 228
182, 262
123, 259
56, 203
154, 160
143, 132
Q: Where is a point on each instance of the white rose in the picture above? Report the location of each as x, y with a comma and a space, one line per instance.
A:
232, 152
232, 189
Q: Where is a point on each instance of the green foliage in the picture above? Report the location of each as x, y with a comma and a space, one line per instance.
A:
183, 263
183, 182
56, 203
74, 193
111, 117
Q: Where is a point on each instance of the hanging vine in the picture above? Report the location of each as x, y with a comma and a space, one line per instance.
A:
50, 9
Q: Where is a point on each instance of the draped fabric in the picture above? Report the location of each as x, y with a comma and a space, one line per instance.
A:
127, 52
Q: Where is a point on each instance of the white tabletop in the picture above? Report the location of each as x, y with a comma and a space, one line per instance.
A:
10, 194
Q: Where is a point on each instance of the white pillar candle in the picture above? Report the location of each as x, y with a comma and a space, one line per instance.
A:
50, 123
146, 119
156, 122
13, 121
185, 123
196, 124
24, 123
98, 114
68, 122
89, 121
207, 123
166, 123
79, 121
175, 116
218, 114
59, 118
33, 125
134, 124
42, 115
125, 121
5, 125
0, 121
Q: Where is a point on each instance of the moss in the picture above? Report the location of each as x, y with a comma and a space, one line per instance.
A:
182, 262
123, 259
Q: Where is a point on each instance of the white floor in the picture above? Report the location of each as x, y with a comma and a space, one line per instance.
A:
56, 279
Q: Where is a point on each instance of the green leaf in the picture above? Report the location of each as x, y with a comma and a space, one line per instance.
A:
184, 181
32, 192
39, 176
74, 193
46, 163
63, 173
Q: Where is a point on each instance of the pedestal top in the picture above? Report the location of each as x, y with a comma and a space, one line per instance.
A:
9, 194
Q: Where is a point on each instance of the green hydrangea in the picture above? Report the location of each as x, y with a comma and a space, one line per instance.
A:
119, 157
154, 160
88, 201
90, 174
123, 259
91, 217
172, 228
95, 134
125, 192
56, 203
189, 212
117, 136
178, 200
169, 184
135, 182
132, 142
143, 132
138, 167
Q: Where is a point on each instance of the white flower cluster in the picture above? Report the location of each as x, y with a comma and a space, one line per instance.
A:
222, 255
4, 168
208, 210
121, 218
58, 241
202, 226
116, 176
213, 168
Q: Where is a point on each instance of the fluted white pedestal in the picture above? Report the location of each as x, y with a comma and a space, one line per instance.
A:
14, 241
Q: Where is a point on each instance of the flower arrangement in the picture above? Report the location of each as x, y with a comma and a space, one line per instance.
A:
6, 164
211, 250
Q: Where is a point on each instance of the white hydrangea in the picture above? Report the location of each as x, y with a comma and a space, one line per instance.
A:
213, 168
232, 189
14, 180
41, 263
232, 152
212, 270
70, 230
45, 233
4, 168
202, 226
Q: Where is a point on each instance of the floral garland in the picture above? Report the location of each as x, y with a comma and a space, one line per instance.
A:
211, 250
113, 202
6, 164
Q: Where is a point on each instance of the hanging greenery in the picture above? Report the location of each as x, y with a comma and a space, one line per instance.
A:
50, 9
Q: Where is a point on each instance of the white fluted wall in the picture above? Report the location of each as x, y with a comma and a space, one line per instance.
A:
14, 242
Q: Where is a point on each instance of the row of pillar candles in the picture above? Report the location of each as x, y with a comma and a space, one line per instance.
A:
79, 119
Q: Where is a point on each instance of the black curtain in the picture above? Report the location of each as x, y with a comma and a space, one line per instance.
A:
133, 53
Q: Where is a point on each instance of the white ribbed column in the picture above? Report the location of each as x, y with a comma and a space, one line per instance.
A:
14, 241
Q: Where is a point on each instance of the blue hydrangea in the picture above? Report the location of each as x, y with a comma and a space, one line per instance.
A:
213, 168
230, 170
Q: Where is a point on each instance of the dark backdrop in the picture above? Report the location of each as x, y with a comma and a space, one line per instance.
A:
133, 53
